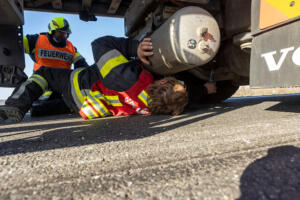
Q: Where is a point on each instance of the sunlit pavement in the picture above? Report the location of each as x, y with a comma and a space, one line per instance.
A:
245, 148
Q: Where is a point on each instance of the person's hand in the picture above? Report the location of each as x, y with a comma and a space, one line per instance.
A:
145, 50
211, 87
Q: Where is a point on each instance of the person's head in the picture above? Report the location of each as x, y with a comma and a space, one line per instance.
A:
167, 96
59, 28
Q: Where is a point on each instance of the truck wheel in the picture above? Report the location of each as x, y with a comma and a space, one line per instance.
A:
225, 89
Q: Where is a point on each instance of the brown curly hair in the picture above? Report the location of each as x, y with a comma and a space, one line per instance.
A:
166, 97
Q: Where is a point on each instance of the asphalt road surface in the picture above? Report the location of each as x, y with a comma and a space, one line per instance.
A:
247, 148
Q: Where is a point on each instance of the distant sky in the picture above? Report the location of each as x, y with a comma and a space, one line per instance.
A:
83, 33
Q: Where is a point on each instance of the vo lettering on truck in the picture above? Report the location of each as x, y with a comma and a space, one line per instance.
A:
271, 63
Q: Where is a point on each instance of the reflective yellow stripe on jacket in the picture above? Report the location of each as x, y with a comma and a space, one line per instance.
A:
93, 108
41, 81
77, 57
26, 44
110, 100
86, 100
98, 105
109, 61
89, 111
46, 95
75, 89
144, 97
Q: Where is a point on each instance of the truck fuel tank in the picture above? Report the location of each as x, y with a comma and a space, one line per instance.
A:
188, 39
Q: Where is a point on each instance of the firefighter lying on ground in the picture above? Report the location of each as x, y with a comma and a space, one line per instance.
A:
114, 85
52, 49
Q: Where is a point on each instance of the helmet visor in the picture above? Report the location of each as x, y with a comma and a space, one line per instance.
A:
65, 29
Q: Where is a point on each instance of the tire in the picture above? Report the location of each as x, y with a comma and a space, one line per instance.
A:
225, 89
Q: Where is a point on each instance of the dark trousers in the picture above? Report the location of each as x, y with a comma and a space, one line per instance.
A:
58, 81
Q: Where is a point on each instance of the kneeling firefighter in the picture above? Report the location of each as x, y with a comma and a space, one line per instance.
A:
53, 50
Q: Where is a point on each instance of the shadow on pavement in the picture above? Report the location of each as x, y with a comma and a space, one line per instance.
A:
275, 176
78, 133
292, 105
70, 133
286, 103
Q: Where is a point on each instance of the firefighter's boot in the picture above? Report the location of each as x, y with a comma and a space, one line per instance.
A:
3, 116
12, 113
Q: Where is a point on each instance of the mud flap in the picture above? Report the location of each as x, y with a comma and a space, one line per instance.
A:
275, 57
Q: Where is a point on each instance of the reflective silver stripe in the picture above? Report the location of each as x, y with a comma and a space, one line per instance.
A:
99, 96
88, 111
46, 95
77, 59
107, 56
109, 61
41, 81
55, 55
99, 105
108, 99
143, 96
21, 90
85, 92
75, 87
114, 101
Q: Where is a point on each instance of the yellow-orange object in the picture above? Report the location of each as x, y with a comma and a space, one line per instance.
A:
273, 12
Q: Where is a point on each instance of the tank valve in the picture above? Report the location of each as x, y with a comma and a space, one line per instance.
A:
203, 43
203, 46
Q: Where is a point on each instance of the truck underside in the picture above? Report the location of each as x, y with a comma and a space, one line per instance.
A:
219, 29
